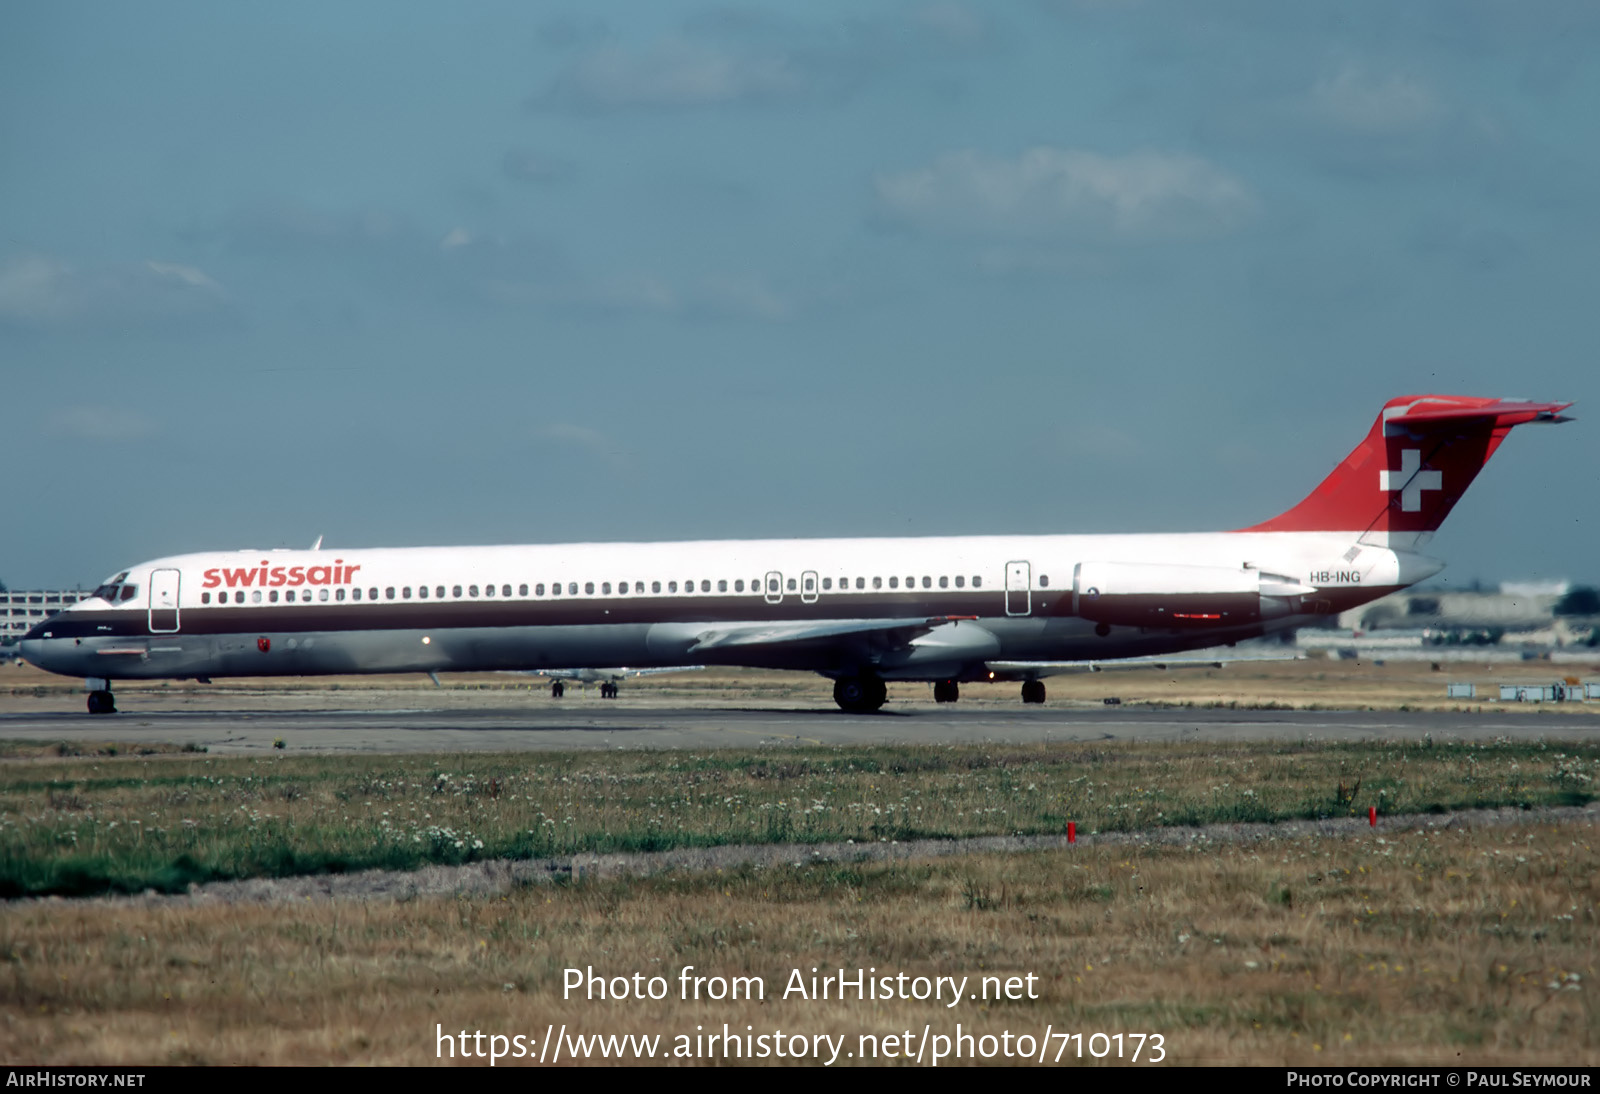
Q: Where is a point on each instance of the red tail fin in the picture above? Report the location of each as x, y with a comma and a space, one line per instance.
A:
1419, 458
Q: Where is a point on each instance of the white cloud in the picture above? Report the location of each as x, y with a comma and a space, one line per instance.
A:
739, 298
45, 291
1066, 192
526, 165
1357, 101
675, 73
98, 423
592, 441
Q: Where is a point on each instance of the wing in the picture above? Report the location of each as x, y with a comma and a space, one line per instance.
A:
1214, 658
895, 632
618, 673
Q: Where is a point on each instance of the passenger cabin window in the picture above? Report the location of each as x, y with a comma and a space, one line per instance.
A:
572, 588
388, 593
337, 595
588, 588
555, 589
205, 598
738, 586
927, 582
1044, 581
422, 592
538, 590
488, 590
638, 586
522, 590
472, 590
456, 591
372, 594
877, 582
438, 591
861, 583
790, 583
355, 594
772, 584
827, 583
977, 582
605, 588
655, 586
722, 585
405, 593
944, 582
672, 586
894, 583
705, 586
505, 590
960, 581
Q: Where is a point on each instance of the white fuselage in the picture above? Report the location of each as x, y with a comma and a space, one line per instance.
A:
925, 608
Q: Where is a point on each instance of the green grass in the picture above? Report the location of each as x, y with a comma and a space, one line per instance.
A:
124, 823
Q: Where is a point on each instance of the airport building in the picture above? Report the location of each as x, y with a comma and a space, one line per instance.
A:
1517, 619
22, 609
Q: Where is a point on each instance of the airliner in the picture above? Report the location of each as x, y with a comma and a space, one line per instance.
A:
608, 679
863, 612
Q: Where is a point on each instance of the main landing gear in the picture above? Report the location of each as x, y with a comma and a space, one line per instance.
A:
557, 689
1033, 691
946, 691
608, 691
860, 694
100, 702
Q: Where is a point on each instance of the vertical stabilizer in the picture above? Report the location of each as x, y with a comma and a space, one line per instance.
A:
1413, 466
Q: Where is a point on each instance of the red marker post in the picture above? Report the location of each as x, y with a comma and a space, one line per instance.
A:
1072, 831
1372, 815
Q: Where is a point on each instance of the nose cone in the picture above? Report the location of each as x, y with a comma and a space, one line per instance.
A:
50, 654
32, 650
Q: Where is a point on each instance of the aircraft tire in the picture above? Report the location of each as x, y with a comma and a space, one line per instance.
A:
1033, 691
860, 694
101, 702
946, 691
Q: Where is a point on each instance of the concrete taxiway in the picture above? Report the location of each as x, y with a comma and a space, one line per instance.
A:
583, 726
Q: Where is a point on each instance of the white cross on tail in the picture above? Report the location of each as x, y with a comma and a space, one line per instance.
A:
1410, 480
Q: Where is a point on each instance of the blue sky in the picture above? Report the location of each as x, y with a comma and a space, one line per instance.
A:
413, 274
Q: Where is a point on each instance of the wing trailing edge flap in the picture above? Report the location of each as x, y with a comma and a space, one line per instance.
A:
896, 633
1212, 658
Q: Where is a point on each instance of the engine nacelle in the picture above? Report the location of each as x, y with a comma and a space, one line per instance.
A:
1147, 594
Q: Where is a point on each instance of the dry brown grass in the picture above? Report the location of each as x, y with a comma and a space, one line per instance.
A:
1440, 947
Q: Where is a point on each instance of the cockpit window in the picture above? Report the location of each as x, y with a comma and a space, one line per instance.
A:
128, 592
108, 591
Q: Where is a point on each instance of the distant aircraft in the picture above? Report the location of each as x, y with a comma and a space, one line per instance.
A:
608, 679
862, 612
